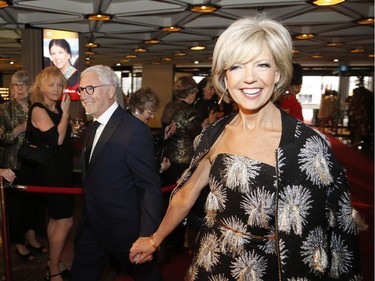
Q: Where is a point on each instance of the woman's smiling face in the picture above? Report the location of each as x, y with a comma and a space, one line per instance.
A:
251, 84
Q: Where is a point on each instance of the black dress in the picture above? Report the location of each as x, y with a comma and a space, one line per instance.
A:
237, 239
58, 169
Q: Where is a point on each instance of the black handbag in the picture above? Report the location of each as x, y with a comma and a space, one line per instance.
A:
31, 152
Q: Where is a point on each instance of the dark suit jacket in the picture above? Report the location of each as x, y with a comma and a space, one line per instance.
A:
121, 185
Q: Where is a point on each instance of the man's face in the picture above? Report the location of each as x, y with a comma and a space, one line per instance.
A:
99, 99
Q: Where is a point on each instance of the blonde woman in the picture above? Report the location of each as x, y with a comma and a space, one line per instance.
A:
279, 206
49, 127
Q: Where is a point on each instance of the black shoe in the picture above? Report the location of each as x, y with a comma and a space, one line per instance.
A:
41, 249
50, 276
65, 274
27, 257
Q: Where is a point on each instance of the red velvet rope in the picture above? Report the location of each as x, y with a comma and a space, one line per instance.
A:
68, 190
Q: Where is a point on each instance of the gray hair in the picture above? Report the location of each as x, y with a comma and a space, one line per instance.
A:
106, 74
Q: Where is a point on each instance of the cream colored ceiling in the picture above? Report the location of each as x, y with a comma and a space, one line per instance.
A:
137, 20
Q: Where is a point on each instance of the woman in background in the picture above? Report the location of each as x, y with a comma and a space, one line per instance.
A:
143, 104
25, 211
49, 127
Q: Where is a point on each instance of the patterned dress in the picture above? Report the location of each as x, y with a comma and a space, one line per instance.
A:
291, 222
238, 239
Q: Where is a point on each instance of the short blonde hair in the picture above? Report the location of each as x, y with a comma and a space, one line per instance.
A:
243, 41
41, 78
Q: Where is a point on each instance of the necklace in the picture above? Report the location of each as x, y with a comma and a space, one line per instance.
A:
68, 72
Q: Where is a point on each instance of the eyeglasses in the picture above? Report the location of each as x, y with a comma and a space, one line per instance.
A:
151, 113
20, 85
89, 89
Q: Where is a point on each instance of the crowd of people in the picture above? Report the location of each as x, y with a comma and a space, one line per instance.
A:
263, 194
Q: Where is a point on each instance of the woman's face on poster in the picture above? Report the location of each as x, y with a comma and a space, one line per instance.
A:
59, 56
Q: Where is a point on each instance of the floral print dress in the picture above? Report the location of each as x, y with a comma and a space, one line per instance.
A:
238, 240
291, 222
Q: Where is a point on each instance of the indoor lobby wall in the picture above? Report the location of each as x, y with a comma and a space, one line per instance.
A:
160, 78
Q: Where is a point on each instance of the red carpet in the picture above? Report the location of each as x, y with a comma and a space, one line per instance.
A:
360, 173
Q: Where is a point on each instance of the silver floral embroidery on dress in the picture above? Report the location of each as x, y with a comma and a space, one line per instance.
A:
208, 252
259, 205
249, 267
341, 257
293, 209
219, 277
344, 216
357, 278
233, 236
314, 250
240, 172
314, 161
215, 200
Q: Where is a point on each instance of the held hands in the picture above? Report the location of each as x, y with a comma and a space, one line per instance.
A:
142, 250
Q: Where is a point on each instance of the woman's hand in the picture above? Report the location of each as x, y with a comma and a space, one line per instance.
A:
8, 174
164, 165
170, 130
142, 250
19, 129
65, 104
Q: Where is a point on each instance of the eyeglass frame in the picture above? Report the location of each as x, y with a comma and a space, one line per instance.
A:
21, 85
80, 89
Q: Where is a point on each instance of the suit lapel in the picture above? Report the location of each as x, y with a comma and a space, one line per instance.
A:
108, 131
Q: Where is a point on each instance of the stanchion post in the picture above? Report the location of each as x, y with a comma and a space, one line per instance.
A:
4, 234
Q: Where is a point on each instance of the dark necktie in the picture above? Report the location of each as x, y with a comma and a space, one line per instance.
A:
91, 130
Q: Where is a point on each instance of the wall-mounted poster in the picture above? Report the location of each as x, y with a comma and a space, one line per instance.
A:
61, 48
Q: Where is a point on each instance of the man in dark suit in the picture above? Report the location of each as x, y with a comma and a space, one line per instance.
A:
121, 184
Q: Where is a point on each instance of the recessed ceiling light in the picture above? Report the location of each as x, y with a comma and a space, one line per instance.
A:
131, 56
327, 2
91, 45
171, 28
336, 60
179, 54
316, 56
4, 4
365, 21
156, 62
371, 55
151, 41
99, 17
304, 36
334, 44
166, 59
90, 53
209, 8
357, 50
295, 51
140, 50
198, 47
